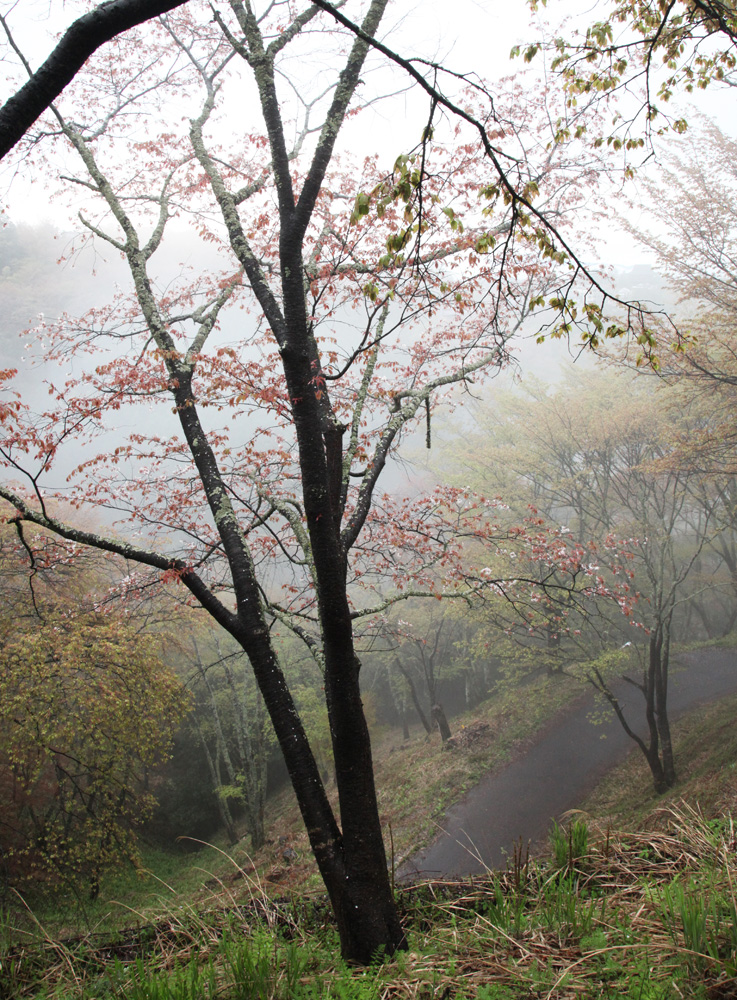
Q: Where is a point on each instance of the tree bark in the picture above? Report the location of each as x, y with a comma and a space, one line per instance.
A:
413, 695
77, 44
225, 816
660, 657
405, 723
651, 748
441, 721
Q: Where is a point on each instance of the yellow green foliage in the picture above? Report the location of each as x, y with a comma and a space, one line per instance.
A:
86, 709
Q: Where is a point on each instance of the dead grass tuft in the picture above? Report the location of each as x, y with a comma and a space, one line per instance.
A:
614, 922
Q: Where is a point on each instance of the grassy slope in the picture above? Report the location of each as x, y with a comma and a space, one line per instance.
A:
617, 923
705, 746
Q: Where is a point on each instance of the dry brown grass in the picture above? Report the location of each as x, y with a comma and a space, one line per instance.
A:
596, 928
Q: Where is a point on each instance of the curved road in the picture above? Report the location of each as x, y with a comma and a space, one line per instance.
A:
568, 759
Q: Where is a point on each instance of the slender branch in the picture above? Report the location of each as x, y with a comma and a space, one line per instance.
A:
128, 551
517, 200
404, 413
238, 241
347, 84
598, 682
87, 34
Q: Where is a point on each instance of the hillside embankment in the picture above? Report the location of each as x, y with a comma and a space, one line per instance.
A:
568, 758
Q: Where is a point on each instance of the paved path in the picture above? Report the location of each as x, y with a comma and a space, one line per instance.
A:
563, 766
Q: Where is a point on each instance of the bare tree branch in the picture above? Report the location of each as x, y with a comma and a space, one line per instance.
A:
87, 34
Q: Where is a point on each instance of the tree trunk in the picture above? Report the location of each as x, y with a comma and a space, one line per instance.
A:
659, 662
413, 695
405, 723
651, 748
256, 829
225, 817
352, 862
367, 917
441, 721
652, 757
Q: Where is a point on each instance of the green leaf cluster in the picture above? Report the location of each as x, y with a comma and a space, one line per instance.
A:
674, 46
86, 709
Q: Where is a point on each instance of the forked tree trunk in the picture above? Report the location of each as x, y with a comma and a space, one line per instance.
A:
352, 861
655, 764
413, 695
657, 749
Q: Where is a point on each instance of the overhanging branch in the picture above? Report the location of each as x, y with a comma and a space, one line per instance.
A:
87, 34
518, 201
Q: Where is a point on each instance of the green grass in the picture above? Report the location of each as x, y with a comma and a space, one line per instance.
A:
639, 915
569, 844
649, 914
162, 878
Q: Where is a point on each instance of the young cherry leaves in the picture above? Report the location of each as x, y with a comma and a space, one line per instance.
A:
547, 175
393, 332
642, 51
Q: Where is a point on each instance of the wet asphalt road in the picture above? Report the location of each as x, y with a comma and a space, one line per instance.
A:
557, 773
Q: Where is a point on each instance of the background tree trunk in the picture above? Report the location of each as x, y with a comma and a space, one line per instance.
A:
439, 717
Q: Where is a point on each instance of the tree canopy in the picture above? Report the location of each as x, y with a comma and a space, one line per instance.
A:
87, 709
267, 396
648, 50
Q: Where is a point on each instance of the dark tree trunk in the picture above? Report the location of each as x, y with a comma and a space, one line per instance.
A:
659, 663
657, 748
365, 910
656, 770
352, 862
256, 828
213, 765
414, 696
441, 721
